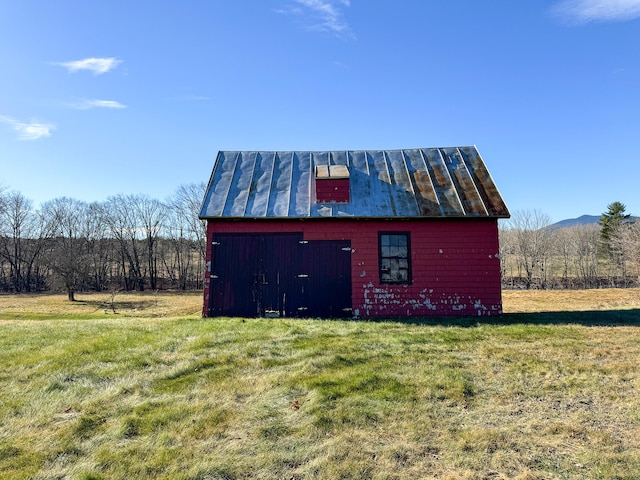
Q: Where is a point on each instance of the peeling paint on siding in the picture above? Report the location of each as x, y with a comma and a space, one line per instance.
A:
395, 299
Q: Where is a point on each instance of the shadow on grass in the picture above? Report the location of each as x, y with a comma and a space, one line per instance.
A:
117, 305
589, 318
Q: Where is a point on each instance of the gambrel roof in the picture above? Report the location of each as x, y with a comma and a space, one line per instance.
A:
423, 182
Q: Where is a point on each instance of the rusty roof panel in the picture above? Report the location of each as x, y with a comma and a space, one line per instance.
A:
427, 182
422, 185
463, 183
487, 189
443, 185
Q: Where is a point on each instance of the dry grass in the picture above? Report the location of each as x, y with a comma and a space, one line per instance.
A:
156, 392
173, 304
96, 305
535, 301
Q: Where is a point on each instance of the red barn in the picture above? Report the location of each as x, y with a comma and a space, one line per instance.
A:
391, 233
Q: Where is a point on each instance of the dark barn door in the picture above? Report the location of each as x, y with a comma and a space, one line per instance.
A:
252, 275
325, 279
256, 275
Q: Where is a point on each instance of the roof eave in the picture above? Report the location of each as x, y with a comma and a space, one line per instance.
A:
352, 217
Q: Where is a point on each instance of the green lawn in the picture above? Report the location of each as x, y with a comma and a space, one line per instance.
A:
121, 397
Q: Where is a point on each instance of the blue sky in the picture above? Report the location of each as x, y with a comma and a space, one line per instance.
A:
136, 97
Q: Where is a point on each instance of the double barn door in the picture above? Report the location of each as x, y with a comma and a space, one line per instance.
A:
257, 275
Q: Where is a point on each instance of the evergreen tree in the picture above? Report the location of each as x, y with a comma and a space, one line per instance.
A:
611, 220
610, 223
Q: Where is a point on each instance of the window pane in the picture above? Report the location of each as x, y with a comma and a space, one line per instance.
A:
394, 258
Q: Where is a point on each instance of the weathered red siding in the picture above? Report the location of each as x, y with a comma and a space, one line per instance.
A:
455, 263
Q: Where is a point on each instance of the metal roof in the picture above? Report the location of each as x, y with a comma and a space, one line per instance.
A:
424, 182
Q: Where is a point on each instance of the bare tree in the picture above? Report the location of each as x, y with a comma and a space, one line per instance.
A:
585, 253
23, 233
68, 256
624, 247
178, 254
563, 239
533, 242
135, 221
508, 259
120, 216
150, 215
187, 201
4, 264
100, 247
185, 234
631, 239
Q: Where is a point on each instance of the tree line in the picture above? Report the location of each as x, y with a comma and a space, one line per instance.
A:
534, 254
134, 242
128, 242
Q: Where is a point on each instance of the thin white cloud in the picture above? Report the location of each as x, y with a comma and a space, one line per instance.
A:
585, 11
28, 131
322, 15
96, 65
94, 103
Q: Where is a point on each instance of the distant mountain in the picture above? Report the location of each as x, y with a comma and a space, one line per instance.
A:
572, 222
583, 220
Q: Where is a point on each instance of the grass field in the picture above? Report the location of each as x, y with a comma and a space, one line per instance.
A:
139, 386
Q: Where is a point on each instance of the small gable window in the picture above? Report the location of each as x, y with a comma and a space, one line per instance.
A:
395, 257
